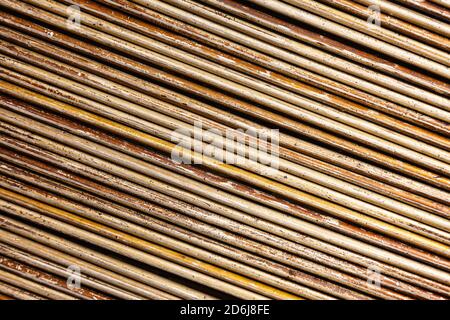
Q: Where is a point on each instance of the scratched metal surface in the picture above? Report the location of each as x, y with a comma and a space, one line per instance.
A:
93, 204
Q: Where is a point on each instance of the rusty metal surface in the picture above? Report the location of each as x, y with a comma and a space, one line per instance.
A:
93, 94
50, 280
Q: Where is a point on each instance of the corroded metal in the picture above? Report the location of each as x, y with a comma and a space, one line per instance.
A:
193, 225
392, 23
137, 247
293, 190
202, 108
60, 284
415, 17
304, 172
92, 94
153, 197
435, 61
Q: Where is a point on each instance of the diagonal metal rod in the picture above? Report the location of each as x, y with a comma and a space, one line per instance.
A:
44, 278
412, 16
134, 247
18, 293
390, 22
435, 8
297, 170
188, 223
117, 183
125, 280
294, 182
32, 286
294, 11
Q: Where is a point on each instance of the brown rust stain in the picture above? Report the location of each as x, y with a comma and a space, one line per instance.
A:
393, 23
309, 132
431, 8
338, 102
293, 274
322, 41
46, 277
217, 180
243, 66
5, 297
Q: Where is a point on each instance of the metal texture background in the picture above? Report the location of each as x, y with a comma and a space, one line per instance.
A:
93, 204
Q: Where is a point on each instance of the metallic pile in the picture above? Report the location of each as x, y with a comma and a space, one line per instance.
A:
93, 204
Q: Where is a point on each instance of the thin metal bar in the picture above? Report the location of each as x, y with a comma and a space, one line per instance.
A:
191, 224
209, 205
429, 8
284, 165
326, 205
32, 286
5, 297
183, 234
117, 274
44, 278
144, 256
407, 15
18, 293
444, 3
388, 21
